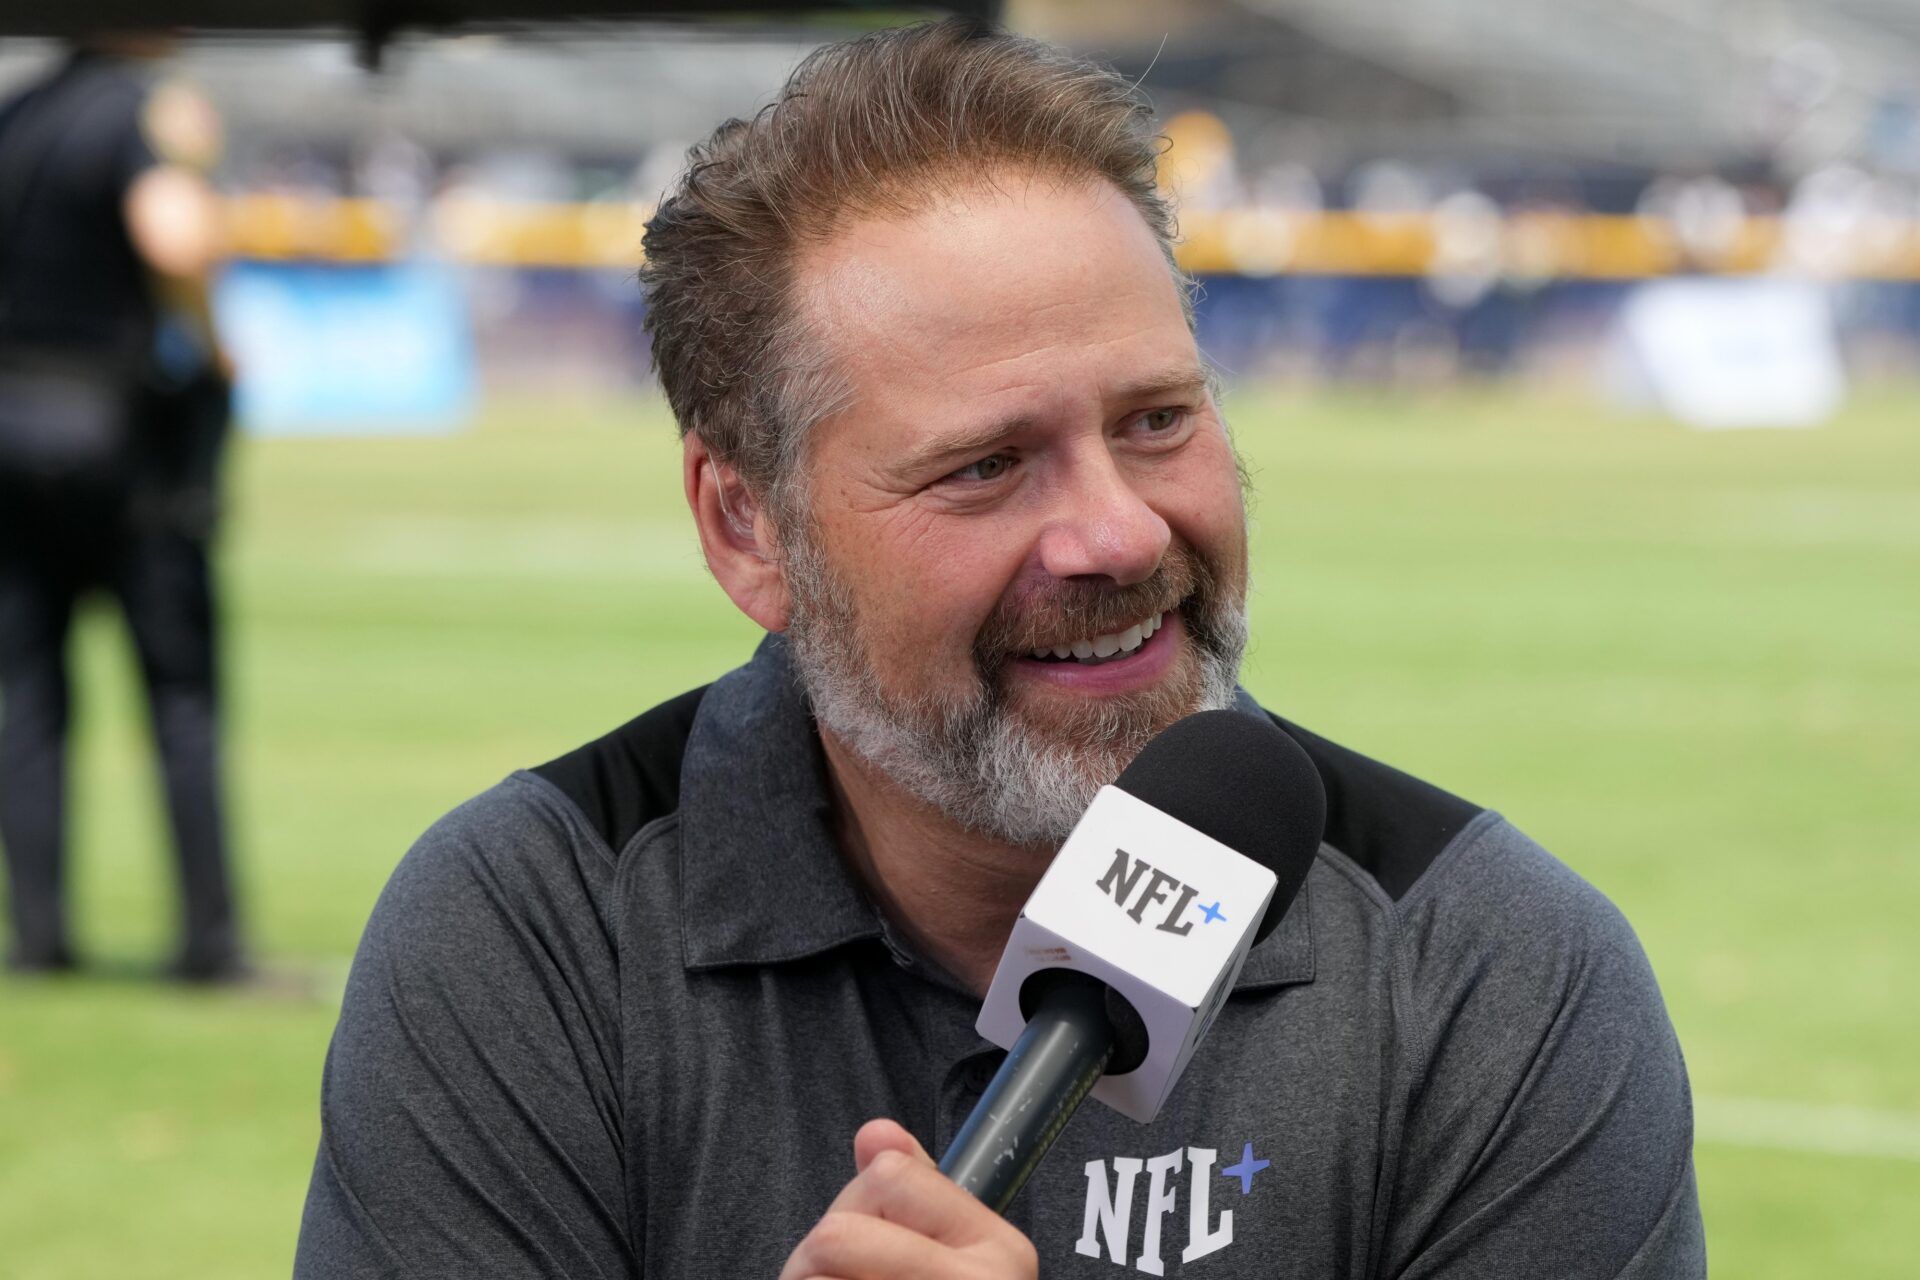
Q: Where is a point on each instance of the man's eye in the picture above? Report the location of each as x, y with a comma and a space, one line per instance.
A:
991, 467
1161, 421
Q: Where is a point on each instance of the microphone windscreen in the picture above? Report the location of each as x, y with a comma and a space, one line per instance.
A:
1241, 780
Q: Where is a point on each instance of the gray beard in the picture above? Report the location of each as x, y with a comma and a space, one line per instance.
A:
974, 759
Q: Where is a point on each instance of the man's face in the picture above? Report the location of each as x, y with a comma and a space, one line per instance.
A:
1025, 550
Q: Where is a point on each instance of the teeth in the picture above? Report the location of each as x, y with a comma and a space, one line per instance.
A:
1106, 646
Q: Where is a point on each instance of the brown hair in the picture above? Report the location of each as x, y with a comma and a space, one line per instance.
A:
872, 125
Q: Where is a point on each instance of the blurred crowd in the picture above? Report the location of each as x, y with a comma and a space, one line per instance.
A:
1381, 190
392, 196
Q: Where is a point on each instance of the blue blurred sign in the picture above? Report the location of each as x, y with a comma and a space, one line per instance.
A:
331, 350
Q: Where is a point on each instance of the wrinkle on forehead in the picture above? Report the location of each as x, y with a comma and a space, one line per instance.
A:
989, 276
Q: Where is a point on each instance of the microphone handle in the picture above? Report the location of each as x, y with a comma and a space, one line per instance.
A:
1059, 1057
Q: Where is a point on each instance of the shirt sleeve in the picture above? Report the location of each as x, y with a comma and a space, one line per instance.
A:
470, 1110
1547, 1120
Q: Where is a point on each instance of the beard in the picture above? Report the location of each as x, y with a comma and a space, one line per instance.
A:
1019, 774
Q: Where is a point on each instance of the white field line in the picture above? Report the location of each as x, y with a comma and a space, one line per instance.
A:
1804, 1126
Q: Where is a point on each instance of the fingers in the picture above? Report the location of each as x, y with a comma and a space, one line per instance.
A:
908, 1190
899, 1182
851, 1246
901, 1188
876, 1136
900, 1216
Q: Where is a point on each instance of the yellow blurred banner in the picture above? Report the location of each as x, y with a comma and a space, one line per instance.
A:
1528, 245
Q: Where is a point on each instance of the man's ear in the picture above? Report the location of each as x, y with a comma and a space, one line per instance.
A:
736, 536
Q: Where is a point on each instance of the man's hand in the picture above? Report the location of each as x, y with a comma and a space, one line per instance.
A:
900, 1216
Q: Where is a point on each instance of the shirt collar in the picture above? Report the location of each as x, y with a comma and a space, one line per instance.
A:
762, 877
1284, 956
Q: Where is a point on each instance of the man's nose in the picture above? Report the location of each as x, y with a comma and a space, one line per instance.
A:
1103, 527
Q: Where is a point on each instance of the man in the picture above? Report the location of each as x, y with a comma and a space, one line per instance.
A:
949, 441
113, 405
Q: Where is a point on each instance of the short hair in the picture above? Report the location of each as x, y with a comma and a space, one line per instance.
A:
875, 125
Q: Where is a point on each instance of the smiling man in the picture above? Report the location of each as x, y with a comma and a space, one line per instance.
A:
949, 440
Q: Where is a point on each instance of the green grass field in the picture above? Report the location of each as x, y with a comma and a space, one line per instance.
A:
1689, 664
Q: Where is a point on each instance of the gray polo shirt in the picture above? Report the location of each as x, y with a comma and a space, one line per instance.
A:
622, 1014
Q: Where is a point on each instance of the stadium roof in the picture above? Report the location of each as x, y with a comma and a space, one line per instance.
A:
1645, 83
375, 22
1636, 85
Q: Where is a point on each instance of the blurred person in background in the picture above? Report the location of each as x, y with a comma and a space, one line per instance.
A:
114, 398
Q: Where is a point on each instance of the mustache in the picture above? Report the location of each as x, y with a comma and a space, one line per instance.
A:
1046, 614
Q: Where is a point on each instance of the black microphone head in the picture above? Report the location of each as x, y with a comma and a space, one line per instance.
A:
1241, 780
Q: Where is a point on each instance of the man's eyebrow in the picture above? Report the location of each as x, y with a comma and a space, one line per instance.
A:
1185, 380
956, 446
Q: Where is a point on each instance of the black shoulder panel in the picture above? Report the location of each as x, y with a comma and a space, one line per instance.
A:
630, 777
1390, 823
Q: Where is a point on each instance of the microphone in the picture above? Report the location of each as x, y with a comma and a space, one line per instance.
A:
1128, 946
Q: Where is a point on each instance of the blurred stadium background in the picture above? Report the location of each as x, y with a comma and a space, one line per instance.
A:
1485, 276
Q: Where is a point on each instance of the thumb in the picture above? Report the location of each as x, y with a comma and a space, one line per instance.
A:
876, 1136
